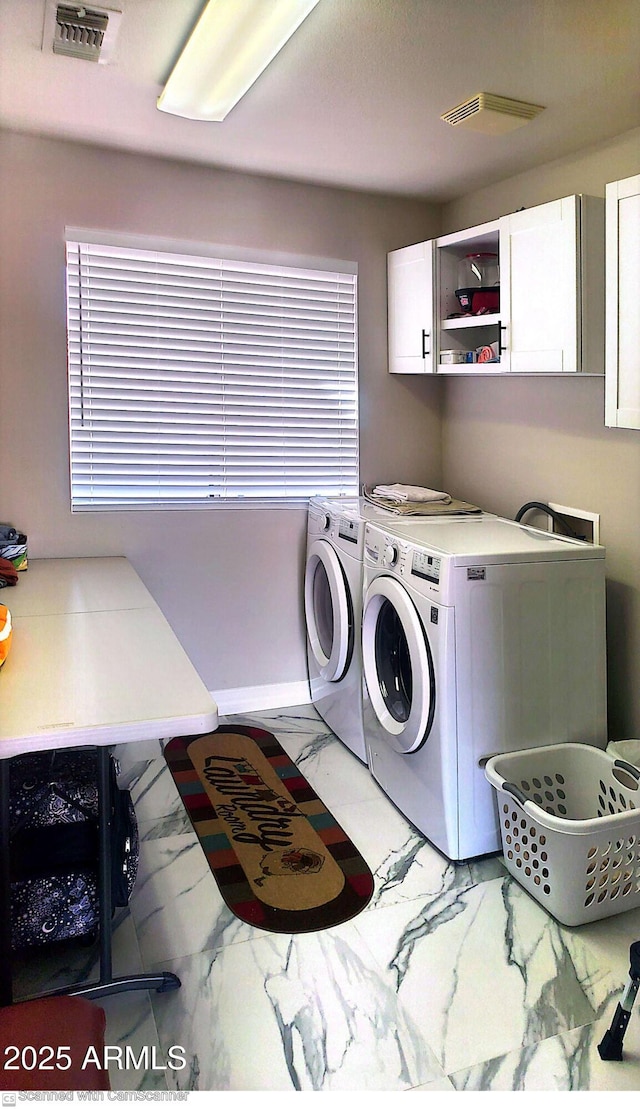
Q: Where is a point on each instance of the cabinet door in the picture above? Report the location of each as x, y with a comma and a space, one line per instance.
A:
539, 288
411, 309
622, 355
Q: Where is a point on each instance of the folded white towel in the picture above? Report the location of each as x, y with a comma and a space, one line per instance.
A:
400, 494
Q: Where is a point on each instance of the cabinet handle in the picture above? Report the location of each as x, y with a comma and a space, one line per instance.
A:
425, 336
501, 327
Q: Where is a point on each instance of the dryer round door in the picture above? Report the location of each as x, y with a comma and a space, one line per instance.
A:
398, 666
328, 611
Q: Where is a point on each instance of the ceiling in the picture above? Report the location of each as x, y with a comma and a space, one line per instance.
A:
354, 99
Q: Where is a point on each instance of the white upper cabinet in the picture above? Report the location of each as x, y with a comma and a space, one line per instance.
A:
552, 287
543, 313
411, 309
622, 385
540, 287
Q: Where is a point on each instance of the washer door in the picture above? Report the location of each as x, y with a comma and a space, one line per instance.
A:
398, 666
328, 611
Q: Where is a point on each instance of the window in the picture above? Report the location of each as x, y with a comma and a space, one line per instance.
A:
195, 380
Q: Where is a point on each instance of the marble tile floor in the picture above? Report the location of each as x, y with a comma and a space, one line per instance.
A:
452, 979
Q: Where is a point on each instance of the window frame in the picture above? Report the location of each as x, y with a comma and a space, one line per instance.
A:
229, 255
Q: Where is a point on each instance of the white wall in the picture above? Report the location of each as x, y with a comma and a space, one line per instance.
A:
586, 171
229, 580
510, 441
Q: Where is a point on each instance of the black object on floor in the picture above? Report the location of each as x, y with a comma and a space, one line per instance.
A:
53, 807
610, 1049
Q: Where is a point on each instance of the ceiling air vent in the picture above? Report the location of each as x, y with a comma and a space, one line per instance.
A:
80, 31
493, 115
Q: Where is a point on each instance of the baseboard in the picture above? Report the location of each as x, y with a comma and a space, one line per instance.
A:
253, 698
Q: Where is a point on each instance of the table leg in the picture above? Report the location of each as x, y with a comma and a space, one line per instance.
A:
105, 808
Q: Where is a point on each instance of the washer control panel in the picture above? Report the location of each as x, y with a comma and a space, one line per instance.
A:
428, 566
390, 555
425, 568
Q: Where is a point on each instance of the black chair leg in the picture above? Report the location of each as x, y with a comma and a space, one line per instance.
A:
610, 1048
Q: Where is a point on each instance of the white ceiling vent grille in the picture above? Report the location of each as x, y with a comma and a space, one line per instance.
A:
491, 114
79, 31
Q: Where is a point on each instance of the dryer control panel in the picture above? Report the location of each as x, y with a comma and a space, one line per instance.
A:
342, 530
348, 529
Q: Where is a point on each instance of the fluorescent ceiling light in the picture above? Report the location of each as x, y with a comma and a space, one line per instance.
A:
230, 46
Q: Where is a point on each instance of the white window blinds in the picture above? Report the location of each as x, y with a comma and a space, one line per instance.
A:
197, 379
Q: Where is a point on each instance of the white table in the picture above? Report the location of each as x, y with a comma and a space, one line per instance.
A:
93, 663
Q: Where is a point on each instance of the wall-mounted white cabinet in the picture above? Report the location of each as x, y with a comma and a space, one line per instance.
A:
622, 383
552, 287
411, 309
550, 312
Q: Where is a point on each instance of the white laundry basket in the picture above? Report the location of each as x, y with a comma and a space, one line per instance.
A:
570, 825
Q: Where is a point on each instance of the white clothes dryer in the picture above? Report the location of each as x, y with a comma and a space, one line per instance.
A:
333, 612
479, 636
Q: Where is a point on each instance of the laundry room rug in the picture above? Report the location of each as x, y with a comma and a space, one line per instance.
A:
281, 861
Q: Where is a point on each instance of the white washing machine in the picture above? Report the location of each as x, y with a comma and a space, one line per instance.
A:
333, 611
479, 636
